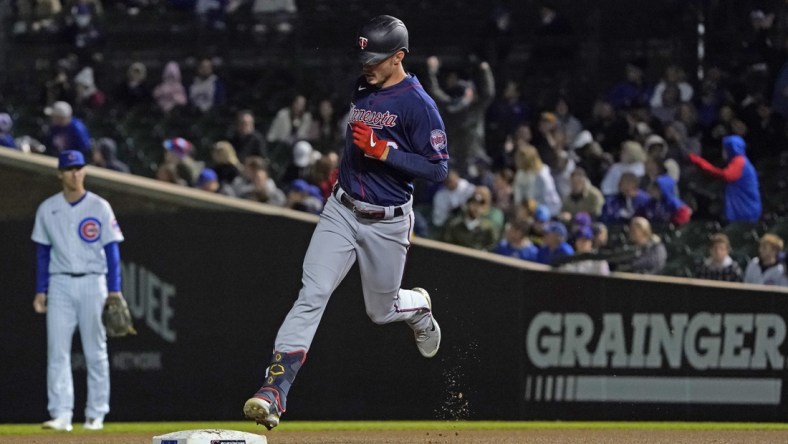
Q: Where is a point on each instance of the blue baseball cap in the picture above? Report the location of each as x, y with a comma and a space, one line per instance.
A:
70, 158
542, 213
584, 233
207, 175
582, 219
302, 186
299, 185
557, 228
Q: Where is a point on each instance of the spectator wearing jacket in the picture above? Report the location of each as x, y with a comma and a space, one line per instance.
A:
303, 196
650, 254
633, 159
584, 244
105, 154
134, 90
633, 89
463, 105
554, 245
582, 197
291, 123
664, 206
448, 201
255, 183
719, 266
66, 131
225, 162
89, 96
516, 242
179, 165
207, 89
622, 207
767, 268
170, 93
472, 229
742, 194
534, 181
6, 138
245, 138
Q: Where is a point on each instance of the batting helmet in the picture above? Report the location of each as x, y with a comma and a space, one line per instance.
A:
380, 38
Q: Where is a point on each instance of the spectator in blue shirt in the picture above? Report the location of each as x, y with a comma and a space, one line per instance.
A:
554, 245
66, 131
303, 196
516, 242
633, 89
6, 139
620, 208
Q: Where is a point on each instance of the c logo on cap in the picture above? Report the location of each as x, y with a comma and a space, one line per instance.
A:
89, 229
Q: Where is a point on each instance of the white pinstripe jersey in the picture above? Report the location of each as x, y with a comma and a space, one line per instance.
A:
77, 233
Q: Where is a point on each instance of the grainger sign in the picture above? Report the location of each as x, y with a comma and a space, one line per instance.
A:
633, 357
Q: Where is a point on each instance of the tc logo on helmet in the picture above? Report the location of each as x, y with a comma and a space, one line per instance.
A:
362, 42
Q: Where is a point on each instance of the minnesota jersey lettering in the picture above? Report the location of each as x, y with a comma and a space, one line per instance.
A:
375, 119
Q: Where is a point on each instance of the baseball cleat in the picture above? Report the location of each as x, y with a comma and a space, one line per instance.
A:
59, 424
428, 340
262, 411
93, 424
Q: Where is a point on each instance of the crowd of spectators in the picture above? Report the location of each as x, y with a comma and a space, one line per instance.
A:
80, 20
531, 179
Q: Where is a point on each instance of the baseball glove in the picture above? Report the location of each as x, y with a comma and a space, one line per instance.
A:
117, 318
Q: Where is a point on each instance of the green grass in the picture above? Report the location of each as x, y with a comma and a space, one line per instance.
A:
160, 428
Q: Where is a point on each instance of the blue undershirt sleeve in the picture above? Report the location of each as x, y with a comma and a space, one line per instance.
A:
113, 266
418, 165
42, 267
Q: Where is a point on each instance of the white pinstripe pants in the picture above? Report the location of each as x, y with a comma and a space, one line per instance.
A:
76, 302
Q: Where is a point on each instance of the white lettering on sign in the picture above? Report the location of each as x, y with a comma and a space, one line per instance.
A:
150, 299
143, 361
124, 361
702, 341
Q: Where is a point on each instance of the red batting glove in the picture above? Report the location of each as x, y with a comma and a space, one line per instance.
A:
365, 138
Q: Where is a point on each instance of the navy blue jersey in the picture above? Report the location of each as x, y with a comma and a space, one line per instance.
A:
406, 117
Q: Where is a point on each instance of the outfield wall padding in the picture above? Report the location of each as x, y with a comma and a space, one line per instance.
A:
208, 290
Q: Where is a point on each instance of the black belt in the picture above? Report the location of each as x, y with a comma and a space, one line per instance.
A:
348, 202
75, 275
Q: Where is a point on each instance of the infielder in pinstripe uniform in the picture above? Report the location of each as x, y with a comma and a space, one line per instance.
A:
78, 262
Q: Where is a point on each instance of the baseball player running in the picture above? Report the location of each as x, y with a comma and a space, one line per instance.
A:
394, 135
78, 261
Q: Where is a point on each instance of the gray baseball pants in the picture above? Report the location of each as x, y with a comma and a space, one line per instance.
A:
341, 238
